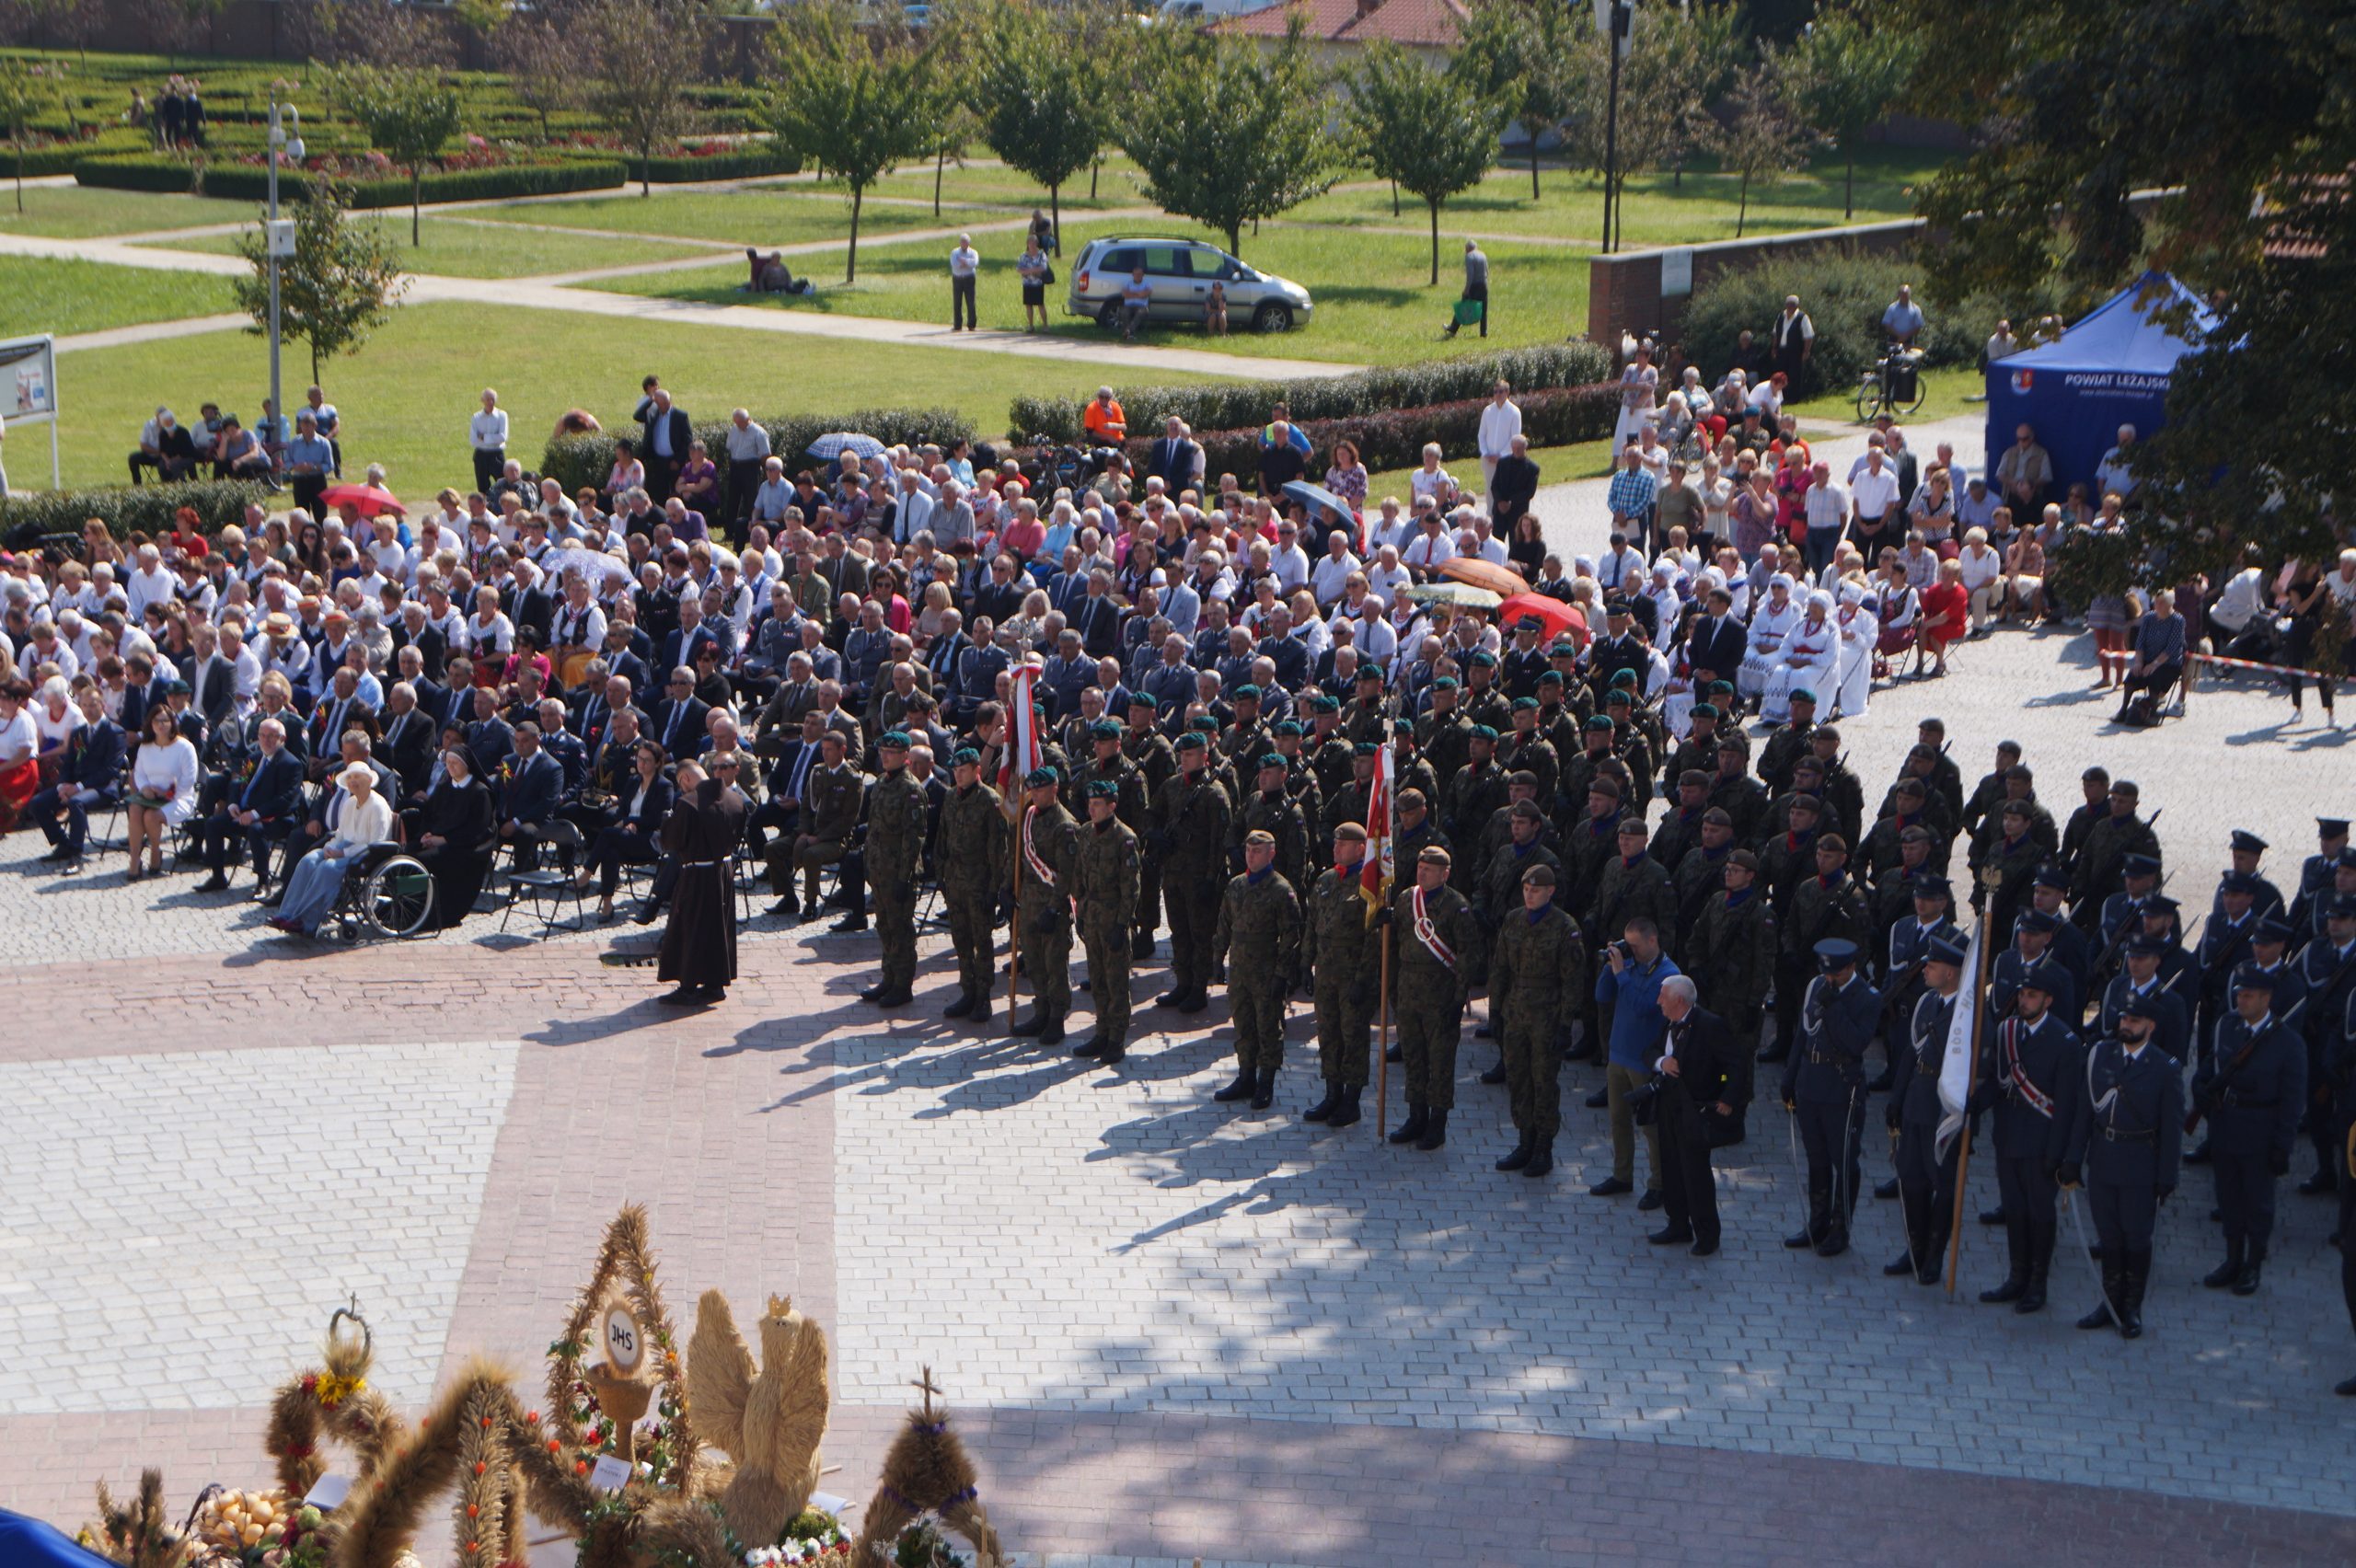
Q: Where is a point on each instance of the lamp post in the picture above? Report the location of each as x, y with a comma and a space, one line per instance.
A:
278, 236
1613, 19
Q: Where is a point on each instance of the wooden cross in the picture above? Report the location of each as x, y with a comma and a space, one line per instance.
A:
925, 1384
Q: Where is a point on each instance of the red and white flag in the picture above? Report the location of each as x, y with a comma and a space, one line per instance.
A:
1377, 880
1023, 751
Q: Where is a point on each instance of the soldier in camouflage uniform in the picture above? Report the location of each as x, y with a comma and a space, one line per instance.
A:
1408, 769
1443, 734
1698, 752
1438, 952
1365, 719
973, 874
1680, 830
1485, 700
833, 796
1148, 750
1350, 803
1044, 849
1300, 783
1105, 873
1734, 946
1540, 965
1633, 883
1702, 872
1270, 810
1244, 742
1632, 745
1478, 788
1733, 791
1580, 769
898, 816
1825, 907
1339, 947
1788, 742
1259, 936
1190, 818
1524, 750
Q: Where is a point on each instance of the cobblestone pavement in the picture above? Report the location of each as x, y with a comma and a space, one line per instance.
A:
1168, 1330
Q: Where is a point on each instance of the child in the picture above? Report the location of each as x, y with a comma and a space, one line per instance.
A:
1215, 311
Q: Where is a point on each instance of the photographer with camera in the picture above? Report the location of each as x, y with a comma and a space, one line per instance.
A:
1628, 993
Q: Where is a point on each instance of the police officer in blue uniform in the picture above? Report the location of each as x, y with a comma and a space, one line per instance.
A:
2251, 1089
1927, 1162
1824, 1087
2035, 1088
2126, 1134
2172, 1019
2326, 974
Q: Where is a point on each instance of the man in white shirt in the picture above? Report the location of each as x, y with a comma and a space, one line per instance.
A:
965, 262
748, 453
2240, 606
1485, 544
1500, 422
1431, 547
1331, 573
1621, 566
1903, 319
1829, 510
914, 513
148, 582
1289, 562
2115, 475
487, 432
1388, 578
1873, 495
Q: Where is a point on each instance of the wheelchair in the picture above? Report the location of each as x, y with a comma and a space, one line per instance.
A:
389, 893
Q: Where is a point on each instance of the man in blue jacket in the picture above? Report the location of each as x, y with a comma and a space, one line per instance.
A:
1824, 1087
534, 789
257, 810
1627, 989
90, 774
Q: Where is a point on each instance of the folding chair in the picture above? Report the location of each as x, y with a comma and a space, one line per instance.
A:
547, 887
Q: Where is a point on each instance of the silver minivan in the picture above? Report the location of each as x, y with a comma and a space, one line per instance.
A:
1181, 272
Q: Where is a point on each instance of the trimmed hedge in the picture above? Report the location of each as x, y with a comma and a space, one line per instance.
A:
1845, 296
578, 460
59, 157
752, 162
156, 171
1366, 392
1394, 438
127, 509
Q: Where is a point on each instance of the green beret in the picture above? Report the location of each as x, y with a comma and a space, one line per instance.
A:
1042, 779
1141, 699
1623, 677
1566, 649
963, 756
1287, 727
1269, 760
1599, 725
1525, 705
1192, 741
1104, 729
1705, 710
1324, 703
1104, 789
1484, 733
1446, 683
893, 739
1369, 673
1247, 690
1800, 694
1619, 695
1552, 677
1404, 727
1721, 688
1484, 658
1202, 723
1365, 748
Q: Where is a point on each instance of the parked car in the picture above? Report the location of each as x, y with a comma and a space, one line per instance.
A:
1181, 272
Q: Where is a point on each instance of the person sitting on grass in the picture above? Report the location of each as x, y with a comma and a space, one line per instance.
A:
1137, 298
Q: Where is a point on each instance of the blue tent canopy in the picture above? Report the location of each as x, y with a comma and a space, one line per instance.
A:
2111, 367
29, 1543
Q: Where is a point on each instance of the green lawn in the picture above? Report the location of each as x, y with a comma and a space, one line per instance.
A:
487, 250
405, 396
1006, 187
1374, 305
1556, 466
75, 211
772, 216
1943, 396
41, 294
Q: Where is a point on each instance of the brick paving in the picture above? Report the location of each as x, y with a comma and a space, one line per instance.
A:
1168, 1332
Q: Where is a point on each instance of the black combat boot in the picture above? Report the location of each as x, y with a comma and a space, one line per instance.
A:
981, 1013
2246, 1285
1901, 1264
2016, 1284
1171, 998
2033, 1299
1093, 1045
2134, 1276
1435, 1130
1412, 1127
1324, 1107
1519, 1157
1193, 1001
2229, 1271
1054, 1033
1498, 1073
1541, 1157
1238, 1088
1263, 1089
1034, 1024
1141, 947
1346, 1107
2114, 1288
854, 921
963, 1006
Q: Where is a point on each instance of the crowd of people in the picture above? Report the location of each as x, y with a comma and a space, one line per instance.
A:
717, 659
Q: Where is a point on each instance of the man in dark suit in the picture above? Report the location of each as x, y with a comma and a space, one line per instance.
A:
1097, 617
410, 740
1717, 642
260, 810
593, 707
1175, 459
414, 631
335, 712
975, 682
668, 433
528, 800
213, 688
529, 604
489, 736
90, 774
785, 781
679, 719
1703, 1074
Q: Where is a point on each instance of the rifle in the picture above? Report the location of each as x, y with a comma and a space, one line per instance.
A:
1895, 988
2207, 1105
2110, 949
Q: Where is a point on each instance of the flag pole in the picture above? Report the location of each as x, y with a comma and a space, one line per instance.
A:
1014, 916
1382, 1055
1989, 880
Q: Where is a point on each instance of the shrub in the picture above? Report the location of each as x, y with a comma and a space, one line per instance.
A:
744, 163
1237, 405
1844, 296
1394, 438
578, 460
127, 509
156, 171
58, 157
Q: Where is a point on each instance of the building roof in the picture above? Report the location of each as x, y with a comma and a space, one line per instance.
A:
1436, 24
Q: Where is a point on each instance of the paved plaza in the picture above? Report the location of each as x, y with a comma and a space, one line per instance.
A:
1170, 1329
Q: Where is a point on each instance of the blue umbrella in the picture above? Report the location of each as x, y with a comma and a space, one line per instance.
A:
832, 446
1308, 494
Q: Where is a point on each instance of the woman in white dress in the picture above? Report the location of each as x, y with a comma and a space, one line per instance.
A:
1809, 657
1769, 628
1639, 387
163, 789
362, 819
1859, 633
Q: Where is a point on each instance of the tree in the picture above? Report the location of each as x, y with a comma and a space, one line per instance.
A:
29, 89
538, 63
339, 285
1525, 52
407, 114
1681, 61
1042, 94
1226, 135
1431, 129
648, 53
1849, 69
2246, 115
851, 100
1764, 140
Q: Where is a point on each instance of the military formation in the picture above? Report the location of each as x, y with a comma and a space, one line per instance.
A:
1744, 904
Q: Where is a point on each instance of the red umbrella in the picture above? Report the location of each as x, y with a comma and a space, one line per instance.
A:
1502, 581
1557, 617
371, 500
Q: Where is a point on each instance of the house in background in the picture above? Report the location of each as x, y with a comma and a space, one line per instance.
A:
1338, 29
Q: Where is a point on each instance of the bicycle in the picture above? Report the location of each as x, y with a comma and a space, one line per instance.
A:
1894, 386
